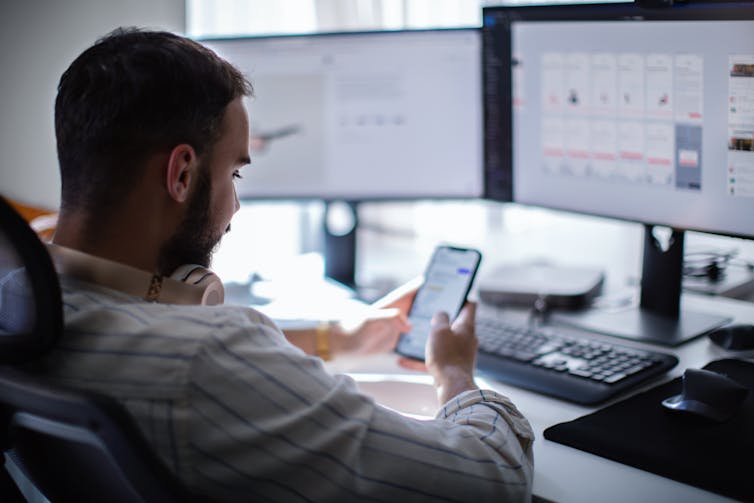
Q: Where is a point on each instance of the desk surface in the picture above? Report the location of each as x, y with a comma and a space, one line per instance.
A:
565, 474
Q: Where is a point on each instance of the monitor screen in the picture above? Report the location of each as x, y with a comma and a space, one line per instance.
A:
622, 111
355, 116
629, 112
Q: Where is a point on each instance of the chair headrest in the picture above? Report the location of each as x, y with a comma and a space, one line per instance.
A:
31, 309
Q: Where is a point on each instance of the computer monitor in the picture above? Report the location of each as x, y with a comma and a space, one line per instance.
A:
349, 117
362, 116
637, 113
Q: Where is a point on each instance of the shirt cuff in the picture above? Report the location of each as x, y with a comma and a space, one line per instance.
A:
492, 401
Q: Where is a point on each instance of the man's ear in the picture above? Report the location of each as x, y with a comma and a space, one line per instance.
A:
181, 170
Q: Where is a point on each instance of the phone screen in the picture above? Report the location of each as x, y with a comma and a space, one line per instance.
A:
447, 282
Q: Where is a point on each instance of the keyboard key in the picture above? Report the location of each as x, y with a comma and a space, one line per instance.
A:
581, 372
615, 378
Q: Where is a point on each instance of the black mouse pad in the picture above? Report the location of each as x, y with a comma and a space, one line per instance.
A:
640, 432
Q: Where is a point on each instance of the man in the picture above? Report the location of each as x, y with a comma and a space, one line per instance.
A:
151, 132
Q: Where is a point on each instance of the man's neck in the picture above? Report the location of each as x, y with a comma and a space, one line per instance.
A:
200, 288
132, 240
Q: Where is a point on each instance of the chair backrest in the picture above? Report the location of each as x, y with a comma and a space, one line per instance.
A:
73, 445
31, 312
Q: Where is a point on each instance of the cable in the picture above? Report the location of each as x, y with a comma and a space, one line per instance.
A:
539, 311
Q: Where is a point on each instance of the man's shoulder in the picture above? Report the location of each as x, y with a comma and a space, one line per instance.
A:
95, 309
128, 340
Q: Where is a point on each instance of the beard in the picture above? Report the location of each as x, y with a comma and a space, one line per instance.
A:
194, 241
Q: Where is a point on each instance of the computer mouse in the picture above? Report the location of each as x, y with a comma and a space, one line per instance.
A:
737, 337
707, 395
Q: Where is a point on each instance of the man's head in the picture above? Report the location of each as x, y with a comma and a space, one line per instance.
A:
135, 95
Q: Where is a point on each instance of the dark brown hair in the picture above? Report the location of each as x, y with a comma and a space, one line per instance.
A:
132, 94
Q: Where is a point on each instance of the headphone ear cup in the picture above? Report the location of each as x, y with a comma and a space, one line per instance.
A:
210, 285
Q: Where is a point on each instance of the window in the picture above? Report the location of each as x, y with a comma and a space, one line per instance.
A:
215, 18
219, 18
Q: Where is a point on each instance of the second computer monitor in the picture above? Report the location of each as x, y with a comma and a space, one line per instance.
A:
360, 116
623, 111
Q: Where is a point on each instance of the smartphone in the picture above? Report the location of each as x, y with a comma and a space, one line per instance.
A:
447, 282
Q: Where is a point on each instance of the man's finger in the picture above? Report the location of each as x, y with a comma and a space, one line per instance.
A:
440, 318
467, 315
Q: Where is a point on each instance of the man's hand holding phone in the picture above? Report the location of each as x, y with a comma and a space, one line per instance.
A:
447, 282
451, 353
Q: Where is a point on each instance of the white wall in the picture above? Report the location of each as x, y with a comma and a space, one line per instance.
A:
38, 40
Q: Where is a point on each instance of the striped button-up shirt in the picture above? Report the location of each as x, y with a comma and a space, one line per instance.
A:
239, 413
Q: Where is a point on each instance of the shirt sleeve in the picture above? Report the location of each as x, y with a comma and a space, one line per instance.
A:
267, 422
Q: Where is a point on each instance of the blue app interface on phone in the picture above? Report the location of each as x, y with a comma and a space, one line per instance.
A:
445, 286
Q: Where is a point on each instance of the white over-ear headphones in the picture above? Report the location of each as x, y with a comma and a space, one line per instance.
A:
201, 280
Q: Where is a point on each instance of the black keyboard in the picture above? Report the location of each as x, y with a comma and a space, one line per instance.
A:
573, 368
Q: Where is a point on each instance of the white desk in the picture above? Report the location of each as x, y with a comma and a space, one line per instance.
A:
565, 474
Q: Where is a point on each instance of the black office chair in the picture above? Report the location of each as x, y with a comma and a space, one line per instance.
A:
73, 446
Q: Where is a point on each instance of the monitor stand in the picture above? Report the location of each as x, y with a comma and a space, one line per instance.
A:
658, 319
339, 227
